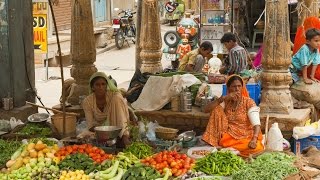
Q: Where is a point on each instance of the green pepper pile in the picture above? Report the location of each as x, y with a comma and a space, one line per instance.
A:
219, 163
139, 149
268, 166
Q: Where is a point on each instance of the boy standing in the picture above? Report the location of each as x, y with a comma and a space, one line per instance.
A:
307, 55
237, 60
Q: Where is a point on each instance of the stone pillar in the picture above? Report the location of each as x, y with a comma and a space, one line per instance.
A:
307, 8
83, 51
150, 37
276, 100
276, 96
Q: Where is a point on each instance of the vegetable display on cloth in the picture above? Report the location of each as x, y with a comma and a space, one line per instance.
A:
139, 149
219, 163
176, 162
97, 154
268, 166
7, 149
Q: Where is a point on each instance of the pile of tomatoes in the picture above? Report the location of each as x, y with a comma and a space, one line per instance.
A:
95, 153
178, 163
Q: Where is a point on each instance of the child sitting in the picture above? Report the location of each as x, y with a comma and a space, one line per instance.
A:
307, 55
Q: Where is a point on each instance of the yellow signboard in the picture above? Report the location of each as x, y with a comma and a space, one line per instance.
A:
40, 27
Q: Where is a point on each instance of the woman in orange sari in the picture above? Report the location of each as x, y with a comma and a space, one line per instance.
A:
230, 124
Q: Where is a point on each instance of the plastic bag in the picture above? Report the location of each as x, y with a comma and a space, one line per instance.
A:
151, 130
303, 132
14, 122
275, 138
82, 126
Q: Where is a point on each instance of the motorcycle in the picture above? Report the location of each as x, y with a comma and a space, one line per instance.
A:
124, 28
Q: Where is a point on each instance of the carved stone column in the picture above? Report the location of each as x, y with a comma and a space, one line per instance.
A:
83, 50
276, 96
276, 100
307, 8
150, 37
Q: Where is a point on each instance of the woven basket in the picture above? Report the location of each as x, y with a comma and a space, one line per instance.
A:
166, 133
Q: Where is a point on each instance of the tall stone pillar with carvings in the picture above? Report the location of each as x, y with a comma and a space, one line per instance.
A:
276, 96
276, 100
150, 37
83, 51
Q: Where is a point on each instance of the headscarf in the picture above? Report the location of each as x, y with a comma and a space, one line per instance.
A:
110, 85
244, 91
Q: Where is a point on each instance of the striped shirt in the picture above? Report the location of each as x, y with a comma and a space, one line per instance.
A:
237, 60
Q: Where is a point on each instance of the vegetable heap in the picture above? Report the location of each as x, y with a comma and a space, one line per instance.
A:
178, 163
267, 166
97, 154
219, 163
7, 149
139, 149
38, 129
141, 172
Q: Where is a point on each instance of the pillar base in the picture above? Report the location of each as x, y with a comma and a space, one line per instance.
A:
287, 122
21, 113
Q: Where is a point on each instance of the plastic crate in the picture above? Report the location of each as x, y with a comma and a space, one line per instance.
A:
299, 145
254, 90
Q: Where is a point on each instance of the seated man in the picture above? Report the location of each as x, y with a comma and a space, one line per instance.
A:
194, 60
229, 124
237, 60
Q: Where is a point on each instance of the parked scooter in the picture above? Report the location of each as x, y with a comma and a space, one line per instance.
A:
174, 11
124, 27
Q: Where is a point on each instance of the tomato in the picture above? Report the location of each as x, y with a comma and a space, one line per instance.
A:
174, 170
184, 171
186, 166
178, 173
184, 156
177, 156
158, 159
173, 164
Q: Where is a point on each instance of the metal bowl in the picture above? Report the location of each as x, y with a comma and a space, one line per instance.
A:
39, 117
105, 133
187, 136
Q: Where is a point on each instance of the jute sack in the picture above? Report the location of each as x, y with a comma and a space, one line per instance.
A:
306, 92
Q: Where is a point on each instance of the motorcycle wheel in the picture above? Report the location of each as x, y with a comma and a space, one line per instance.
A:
171, 38
119, 39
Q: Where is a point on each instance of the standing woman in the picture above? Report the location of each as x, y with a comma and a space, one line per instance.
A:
229, 124
106, 106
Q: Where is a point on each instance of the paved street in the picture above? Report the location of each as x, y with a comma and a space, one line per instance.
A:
119, 64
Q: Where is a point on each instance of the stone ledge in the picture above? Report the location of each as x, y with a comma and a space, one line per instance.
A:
184, 121
21, 113
287, 122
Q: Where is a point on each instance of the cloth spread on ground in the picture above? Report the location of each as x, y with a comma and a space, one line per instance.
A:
158, 91
115, 112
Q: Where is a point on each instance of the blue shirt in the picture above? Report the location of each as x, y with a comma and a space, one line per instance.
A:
305, 57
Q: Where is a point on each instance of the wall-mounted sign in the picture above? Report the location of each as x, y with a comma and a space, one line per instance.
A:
40, 27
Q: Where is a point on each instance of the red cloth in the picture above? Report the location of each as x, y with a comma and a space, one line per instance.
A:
300, 39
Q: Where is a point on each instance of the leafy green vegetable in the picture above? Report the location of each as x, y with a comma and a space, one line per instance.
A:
269, 166
7, 149
35, 129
